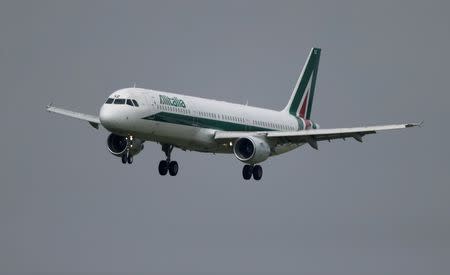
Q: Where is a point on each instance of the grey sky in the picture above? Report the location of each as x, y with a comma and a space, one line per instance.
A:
381, 207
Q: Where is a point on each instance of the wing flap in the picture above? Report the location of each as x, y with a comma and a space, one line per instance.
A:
94, 121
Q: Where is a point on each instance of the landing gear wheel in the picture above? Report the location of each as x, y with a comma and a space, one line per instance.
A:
257, 172
168, 165
173, 168
130, 159
163, 167
124, 159
247, 172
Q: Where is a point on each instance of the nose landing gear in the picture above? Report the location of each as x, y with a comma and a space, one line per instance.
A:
127, 157
167, 165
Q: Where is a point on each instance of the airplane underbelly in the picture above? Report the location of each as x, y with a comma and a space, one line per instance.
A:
185, 137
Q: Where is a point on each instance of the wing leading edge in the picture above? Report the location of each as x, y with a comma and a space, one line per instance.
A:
93, 120
313, 136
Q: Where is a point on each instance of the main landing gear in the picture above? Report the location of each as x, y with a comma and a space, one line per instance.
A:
167, 165
252, 170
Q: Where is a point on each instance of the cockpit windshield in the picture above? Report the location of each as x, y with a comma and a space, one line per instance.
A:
119, 101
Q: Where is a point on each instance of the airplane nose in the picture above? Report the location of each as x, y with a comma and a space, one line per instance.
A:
108, 117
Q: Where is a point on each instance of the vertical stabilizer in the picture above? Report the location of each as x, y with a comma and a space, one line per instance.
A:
302, 97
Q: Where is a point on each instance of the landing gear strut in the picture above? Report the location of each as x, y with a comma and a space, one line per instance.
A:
127, 157
167, 165
252, 170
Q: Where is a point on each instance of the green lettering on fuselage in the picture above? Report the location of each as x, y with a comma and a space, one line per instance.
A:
171, 101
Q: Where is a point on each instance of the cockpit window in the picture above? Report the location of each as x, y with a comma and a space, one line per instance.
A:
135, 103
119, 101
129, 102
109, 100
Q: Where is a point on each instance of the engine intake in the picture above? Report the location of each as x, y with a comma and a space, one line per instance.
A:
117, 145
251, 150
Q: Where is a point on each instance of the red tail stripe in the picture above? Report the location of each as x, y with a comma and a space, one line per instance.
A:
303, 108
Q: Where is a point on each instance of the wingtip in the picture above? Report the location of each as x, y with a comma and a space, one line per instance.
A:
409, 125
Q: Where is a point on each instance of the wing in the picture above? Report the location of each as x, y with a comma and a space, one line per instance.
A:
313, 136
93, 120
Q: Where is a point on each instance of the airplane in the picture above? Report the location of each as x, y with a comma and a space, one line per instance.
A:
135, 115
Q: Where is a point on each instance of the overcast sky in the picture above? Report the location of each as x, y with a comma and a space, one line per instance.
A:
381, 207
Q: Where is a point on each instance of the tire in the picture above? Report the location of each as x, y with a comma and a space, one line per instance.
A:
124, 159
130, 159
173, 168
247, 172
163, 167
257, 172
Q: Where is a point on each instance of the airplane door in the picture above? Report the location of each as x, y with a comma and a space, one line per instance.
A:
153, 102
246, 121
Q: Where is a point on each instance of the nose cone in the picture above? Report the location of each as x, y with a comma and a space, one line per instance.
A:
109, 117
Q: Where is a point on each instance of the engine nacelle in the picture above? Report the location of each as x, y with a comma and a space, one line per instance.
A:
251, 150
117, 145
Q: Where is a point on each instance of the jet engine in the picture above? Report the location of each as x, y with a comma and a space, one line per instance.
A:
251, 150
117, 145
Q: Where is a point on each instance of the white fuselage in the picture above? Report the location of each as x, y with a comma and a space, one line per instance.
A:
190, 122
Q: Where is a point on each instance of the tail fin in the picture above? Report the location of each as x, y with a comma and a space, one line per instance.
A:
302, 97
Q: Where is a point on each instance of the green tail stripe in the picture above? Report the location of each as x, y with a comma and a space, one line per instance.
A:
313, 86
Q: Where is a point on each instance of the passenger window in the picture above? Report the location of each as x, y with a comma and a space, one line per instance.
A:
129, 102
135, 103
109, 100
119, 101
